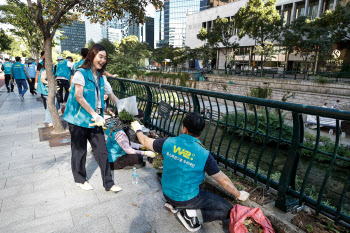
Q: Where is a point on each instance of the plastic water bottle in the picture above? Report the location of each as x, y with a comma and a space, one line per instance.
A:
134, 176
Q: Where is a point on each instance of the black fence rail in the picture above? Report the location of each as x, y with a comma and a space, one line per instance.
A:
265, 140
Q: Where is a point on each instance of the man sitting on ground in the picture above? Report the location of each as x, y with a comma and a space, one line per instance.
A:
184, 166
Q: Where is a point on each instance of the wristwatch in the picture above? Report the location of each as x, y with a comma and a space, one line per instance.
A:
139, 130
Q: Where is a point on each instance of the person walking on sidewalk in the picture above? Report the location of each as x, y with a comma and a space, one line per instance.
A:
63, 76
20, 74
86, 101
184, 166
31, 68
6, 67
38, 69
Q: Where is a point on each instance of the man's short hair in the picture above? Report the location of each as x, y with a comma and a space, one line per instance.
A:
42, 53
69, 58
17, 59
6, 59
194, 123
84, 52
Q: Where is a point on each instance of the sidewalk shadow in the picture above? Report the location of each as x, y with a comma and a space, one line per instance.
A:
91, 165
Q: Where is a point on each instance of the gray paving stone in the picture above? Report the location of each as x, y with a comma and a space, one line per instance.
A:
43, 225
31, 199
17, 190
102, 225
16, 174
2, 183
16, 215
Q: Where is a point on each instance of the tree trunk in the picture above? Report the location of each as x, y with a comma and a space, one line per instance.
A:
58, 127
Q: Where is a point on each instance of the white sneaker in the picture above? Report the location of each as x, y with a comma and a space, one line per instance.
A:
86, 186
115, 188
21, 97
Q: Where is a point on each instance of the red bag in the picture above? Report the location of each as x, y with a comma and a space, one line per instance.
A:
240, 213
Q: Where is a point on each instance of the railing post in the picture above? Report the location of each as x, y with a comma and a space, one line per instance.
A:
286, 202
122, 89
196, 107
148, 110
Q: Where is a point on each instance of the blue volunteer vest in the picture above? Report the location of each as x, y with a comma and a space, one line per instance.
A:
77, 65
7, 67
18, 72
41, 87
183, 167
75, 113
31, 69
63, 70
114, 150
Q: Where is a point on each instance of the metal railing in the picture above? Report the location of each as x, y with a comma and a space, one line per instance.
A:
255, 138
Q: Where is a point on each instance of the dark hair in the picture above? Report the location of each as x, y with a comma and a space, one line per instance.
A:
17, 59
194, 123
69, 58
42, 53
6, 59
84, 52
337, 101
44, 63
91, 56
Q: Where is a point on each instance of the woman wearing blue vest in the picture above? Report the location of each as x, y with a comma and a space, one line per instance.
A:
6, 67
85, 101
184, 166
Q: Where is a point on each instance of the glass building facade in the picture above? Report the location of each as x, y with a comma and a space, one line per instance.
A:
170, 23
75, 37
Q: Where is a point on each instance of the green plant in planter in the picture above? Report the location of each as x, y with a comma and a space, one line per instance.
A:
124, 116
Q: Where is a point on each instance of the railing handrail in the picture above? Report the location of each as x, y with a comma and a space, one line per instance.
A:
306, 109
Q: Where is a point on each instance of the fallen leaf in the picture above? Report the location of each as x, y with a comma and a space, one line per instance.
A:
88, 215
134, 204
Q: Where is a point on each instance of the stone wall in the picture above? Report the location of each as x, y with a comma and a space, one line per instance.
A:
305, 92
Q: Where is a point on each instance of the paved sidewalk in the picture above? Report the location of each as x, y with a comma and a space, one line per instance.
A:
38, 194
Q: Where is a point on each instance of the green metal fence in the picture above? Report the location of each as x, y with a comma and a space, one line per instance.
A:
264, 140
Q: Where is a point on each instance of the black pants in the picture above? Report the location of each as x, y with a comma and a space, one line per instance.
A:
127, 160
31, 85
79, 138
44, 101
63, 83
7, 82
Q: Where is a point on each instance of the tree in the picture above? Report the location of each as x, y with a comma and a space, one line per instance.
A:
5, 41
108, 45
303, 38
337, 22
220, 35
265, 52
129, 52
260, 21
49, 15
89, 44
18, 15
17, 49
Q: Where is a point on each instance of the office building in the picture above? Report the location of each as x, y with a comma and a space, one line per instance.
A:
75, 37
93, 31
146, 34
170, 23
244, 56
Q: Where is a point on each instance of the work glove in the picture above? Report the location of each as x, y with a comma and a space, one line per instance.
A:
150, 154
143, 147
136, 126
99, 120
243, 196
36, 86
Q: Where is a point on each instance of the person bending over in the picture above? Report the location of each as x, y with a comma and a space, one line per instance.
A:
123, 153
184, 166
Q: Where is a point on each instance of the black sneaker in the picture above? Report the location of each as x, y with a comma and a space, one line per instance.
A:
191, 223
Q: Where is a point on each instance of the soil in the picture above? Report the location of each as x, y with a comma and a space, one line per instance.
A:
311, 223
55, 140
252, 226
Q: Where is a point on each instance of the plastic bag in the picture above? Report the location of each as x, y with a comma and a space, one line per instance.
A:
240, 213
129, 104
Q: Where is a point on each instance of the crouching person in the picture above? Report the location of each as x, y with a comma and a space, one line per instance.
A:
123, 152
184, 166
